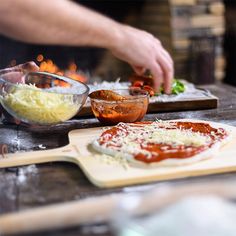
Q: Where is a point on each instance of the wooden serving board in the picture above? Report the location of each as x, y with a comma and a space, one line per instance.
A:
109, 172
201, 99
205, 101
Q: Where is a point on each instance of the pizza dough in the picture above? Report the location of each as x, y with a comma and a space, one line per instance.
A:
162, 143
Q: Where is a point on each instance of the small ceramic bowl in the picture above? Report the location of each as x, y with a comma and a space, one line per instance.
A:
131, 108
43, 98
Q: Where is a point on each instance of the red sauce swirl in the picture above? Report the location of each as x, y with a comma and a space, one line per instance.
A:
162, 151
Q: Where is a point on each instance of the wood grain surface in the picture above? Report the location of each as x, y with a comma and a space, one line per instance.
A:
107, 172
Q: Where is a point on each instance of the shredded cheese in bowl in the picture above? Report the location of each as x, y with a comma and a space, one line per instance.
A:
33, 105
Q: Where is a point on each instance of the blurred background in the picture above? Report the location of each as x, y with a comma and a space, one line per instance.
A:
199, 34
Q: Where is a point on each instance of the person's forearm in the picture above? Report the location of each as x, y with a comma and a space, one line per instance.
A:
62, 22
59, 22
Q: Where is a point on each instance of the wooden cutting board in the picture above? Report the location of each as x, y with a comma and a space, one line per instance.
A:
109, 172
199, 99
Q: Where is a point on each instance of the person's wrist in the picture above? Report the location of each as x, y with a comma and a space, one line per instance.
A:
117, 37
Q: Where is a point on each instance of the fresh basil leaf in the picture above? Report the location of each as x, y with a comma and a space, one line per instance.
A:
177, 88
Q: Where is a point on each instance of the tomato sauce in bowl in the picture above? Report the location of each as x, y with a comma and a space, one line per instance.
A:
130, 106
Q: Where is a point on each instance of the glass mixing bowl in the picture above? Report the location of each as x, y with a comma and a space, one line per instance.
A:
43, 98
122, 105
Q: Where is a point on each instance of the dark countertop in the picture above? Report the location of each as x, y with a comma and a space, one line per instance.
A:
40, 185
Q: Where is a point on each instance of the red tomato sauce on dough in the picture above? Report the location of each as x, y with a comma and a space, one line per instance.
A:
161, 151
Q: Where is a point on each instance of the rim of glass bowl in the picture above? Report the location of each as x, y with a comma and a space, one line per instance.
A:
72, 82
130, 99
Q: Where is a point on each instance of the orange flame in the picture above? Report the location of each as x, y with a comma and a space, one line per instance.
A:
71, 72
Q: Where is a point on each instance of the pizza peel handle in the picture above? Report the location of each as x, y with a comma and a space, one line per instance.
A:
67, 153
78, 140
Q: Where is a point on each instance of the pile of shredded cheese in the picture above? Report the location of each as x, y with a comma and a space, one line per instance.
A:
30, 104
129, 137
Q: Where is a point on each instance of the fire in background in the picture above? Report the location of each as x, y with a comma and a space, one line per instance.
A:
47, 65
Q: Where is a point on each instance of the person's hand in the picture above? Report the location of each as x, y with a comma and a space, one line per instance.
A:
144, 52
15, 75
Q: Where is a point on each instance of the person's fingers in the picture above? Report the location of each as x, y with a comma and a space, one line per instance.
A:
167, 79
16, 74
10, 69
139, 70
168, 82
157, 74
13, 77
168, 57
167, 65
167, 69
28, 67
164, 51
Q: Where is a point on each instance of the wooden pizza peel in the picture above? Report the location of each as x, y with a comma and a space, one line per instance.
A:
104, 171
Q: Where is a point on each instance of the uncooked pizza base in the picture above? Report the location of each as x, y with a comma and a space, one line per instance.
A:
209, 153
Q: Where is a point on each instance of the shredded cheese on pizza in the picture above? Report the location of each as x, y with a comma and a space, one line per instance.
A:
156, 133
178, 137
156, 141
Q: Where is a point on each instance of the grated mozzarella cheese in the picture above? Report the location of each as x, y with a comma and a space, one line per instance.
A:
28, 103
131, 138
178, 137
